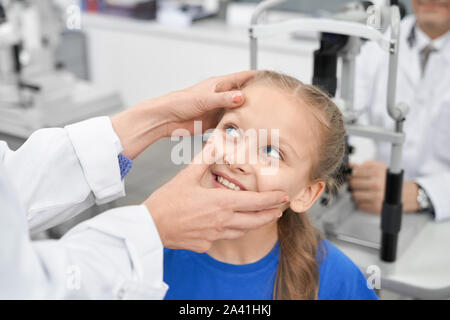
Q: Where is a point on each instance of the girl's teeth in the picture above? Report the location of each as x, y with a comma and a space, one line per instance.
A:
227, 183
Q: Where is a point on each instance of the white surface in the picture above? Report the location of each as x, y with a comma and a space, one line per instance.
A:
145, 59
83, 101
422, 271
422, 268
323, 25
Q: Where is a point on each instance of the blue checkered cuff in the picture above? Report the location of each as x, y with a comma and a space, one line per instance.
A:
125, 165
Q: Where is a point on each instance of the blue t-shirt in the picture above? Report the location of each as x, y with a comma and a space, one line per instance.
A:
192, 276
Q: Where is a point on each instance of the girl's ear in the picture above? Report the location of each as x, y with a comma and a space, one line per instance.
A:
307, 196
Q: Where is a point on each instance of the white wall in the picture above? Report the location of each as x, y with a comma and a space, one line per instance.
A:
144, 60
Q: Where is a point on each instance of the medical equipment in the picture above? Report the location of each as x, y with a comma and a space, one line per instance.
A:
341, 36
186, 12
35, 88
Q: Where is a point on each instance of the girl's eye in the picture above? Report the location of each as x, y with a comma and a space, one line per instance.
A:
232, 131
273, 152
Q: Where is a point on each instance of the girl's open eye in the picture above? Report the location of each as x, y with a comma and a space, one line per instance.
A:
232, 131
273, 152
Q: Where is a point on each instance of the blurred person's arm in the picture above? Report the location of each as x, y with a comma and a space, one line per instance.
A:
368, 182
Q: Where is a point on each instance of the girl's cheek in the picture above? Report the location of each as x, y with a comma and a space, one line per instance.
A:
287, 180
278, 181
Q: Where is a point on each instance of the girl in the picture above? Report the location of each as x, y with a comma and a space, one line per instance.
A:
286, 259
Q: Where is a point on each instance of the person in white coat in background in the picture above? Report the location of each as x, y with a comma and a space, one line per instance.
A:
424, 84
59, 172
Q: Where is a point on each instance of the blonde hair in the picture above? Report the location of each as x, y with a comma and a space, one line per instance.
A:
297, 274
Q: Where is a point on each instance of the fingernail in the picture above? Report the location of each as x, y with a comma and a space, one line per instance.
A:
236, 97
280, 214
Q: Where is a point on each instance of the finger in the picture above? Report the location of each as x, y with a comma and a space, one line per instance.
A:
254, 201
201, 162
199, 246
223, 97
372, 166
363, 196
369, 207
361, 172
253, 220
234, 80
361, 184
353, 165
229, 99
372, 163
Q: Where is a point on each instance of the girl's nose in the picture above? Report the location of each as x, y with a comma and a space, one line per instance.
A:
235, 165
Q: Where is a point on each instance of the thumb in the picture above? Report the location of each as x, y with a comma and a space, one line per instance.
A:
201, 162
229, 99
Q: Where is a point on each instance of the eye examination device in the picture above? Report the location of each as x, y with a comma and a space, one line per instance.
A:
36, 89
341, 37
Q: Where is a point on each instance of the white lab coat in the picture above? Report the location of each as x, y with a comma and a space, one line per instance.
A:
56, 174
426, 153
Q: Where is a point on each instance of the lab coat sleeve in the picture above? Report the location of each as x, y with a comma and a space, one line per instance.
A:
436, 186
116, 255
60, 172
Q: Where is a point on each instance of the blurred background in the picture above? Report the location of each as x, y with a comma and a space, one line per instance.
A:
63, 61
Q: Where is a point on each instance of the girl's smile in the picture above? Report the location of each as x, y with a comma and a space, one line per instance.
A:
221, 180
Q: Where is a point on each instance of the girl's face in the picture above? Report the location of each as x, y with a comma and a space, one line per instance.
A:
279, 165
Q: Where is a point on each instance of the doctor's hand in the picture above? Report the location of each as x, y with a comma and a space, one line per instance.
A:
205, 101
140, 126
189, 216
368, 181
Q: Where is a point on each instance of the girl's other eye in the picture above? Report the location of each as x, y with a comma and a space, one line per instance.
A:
273, 152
